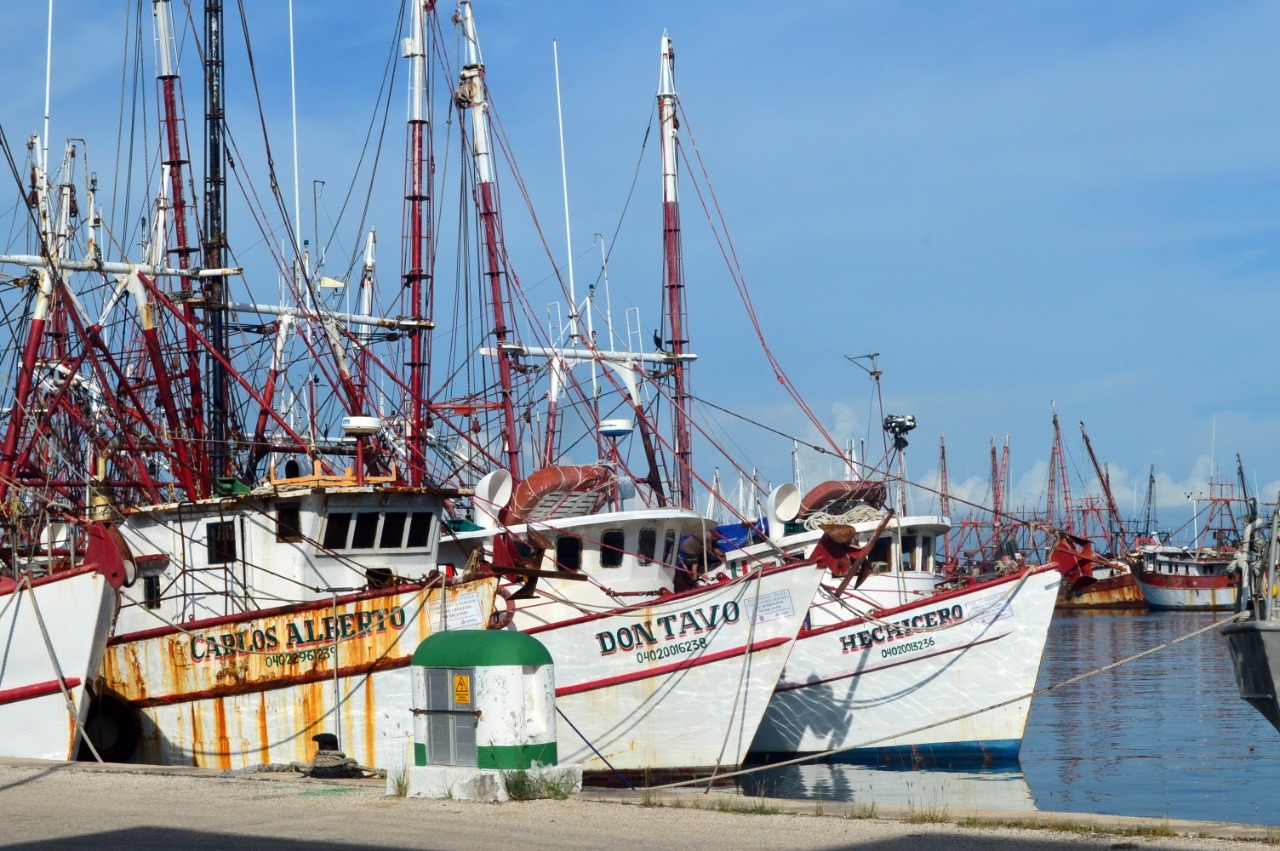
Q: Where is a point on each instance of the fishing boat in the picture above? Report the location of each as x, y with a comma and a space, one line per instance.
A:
1254, 640
1202, 576
265, 618
659, 668
898, 660
63, 560
657, 671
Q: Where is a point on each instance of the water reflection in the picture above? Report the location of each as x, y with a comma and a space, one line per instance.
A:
1165, 736
956, 791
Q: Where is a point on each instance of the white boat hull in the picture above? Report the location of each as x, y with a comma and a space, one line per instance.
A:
676, 685
868, 687
1162, 591
76, 607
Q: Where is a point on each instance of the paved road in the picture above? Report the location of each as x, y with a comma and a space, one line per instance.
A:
77, 806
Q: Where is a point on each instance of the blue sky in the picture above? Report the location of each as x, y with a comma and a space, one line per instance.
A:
1011, 203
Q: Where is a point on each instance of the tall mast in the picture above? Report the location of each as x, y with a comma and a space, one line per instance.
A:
215, 240
471, 97
674, 268
40, 312
997, 495
944, 493
419, 260
1117, 522
1149, 505
193, 473
1058, 481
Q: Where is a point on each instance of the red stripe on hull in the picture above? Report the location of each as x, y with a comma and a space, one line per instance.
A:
1199, 583
14, 695
664, 599
925, 602
8, 585
256, 614
688, 664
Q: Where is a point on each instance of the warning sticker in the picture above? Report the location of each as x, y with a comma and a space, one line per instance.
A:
461, 688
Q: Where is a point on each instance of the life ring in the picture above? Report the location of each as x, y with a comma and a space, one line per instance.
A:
1139, 543
503, 619
559, 491
837, 497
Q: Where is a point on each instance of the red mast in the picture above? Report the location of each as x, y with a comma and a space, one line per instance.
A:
193, 474
1058, 482
1118, 534
674, 280
471, 97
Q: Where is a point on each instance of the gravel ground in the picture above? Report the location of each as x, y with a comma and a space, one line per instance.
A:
60, 805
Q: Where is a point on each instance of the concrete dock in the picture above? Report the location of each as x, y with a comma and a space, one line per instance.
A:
89, 806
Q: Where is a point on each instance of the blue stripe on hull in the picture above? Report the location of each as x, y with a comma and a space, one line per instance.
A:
937, 755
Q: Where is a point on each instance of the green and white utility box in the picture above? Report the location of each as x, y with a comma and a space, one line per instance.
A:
484, 706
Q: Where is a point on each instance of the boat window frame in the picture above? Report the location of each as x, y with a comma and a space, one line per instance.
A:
669, 542
289, 522
613, 548
647, 545
567, 545
220, 542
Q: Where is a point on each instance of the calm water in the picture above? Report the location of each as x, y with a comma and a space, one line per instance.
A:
1166, 736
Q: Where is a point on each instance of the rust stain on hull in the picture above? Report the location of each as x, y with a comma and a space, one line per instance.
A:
237, 705
1119, 592
260, 651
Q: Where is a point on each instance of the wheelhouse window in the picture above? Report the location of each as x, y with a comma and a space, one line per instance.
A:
393, 523
882, 552
612, 546
648, 545
289, 522
569, 552
909, 555
368, 530
336, 529
419, 529
221, 541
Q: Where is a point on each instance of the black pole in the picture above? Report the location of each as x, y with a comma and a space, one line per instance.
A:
215, 188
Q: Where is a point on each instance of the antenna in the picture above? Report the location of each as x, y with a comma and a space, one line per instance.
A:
293, 104
48, 85
564, 186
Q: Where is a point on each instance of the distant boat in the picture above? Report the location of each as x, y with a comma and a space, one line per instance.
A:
1203, 576
1185, 578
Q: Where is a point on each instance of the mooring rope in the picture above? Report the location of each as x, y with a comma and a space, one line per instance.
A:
1036, 693
742, 676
